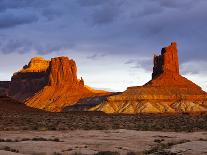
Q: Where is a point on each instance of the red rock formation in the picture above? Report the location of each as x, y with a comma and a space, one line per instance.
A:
166, 73
30, 79
62, 71
168, 91
167, 62
49, 85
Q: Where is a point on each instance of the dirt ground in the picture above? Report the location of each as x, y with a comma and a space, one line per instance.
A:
77, 133
121, 141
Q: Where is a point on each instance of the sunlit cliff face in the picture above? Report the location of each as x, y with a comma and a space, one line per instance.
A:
112, 41
167, 92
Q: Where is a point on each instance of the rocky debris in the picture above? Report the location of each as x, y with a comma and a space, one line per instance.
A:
167, 92
49, 85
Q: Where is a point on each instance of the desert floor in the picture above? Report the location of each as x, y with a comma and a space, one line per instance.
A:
42, 133
43, 121
94, 141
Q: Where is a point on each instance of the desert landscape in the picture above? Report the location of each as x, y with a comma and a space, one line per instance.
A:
47, 110
94, 77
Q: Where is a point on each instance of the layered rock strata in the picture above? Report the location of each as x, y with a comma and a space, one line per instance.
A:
167, 92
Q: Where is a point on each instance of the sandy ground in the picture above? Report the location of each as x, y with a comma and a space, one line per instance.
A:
94, 141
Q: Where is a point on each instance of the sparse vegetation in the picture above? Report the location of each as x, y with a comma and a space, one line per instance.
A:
100, 121
203, 139
107, 153
33, 139
7, 148
158, 140
160, 149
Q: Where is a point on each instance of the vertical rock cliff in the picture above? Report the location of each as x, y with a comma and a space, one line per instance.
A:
167, 92
49, 85
30, 79
167, 62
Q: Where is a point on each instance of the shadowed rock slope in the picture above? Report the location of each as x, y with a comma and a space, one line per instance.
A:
4, 86
8, 105
167, 92
49, 85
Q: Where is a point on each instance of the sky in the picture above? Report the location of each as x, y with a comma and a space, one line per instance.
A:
112, 41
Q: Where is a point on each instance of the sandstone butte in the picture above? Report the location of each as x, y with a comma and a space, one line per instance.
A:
167, 92
49, 84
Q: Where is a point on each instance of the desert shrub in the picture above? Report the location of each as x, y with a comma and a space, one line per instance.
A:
7, 148
107, 153
160, 148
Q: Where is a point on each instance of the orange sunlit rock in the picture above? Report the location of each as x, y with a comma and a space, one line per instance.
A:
168, 91
49, 85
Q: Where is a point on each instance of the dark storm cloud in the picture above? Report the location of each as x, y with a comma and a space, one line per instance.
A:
7, 4
19, 12
8, 20
12, 45
91, 2
123, 28
177, 4
105, 15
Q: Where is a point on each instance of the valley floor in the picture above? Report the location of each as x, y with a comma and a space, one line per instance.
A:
42, 133
129, 142
43, 121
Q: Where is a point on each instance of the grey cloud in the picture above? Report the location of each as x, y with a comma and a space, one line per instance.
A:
8, 20
177, 3
102, 12
91, 2
144, 63
12, 45
131, 28
107, 13
130, 61
96, 56
194, 67
104, 16
92, 57
6, 4
51, 13
25, 45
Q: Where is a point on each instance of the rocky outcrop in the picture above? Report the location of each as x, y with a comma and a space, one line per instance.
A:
167, 92
167, 62
49, 85
30, 79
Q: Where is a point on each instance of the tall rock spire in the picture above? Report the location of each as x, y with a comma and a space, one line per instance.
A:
167, 92
167, 61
